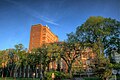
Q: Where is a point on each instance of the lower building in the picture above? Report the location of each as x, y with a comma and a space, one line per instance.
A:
85, 61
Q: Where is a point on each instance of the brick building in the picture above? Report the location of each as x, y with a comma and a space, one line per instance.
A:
40, 35
86, 59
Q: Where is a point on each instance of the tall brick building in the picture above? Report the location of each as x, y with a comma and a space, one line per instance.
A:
40, 35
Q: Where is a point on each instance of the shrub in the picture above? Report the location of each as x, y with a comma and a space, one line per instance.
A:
58, 75
92, 78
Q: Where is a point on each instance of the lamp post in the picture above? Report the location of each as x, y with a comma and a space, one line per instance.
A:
34, 75
53, 76
114, 72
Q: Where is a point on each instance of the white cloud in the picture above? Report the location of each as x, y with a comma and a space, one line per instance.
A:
32, 12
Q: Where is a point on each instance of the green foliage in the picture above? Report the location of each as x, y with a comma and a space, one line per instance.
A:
92, 78
58, 75
70, 52
102, 35
4, 58
10, 78
107, 29
93, 20
115, 66
44, 55
71, 38
92, 29
103, 72
93, 33
103, 69
107, 73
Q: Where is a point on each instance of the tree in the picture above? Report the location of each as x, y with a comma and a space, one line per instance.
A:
99, 29
19, 58
43, 56
69, 53
44, 59
32, 62
103, 31
11, 63
111, 42
102, 63
102, 34
54, 49
3, 62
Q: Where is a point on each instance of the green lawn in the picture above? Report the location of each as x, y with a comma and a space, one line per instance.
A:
19, 78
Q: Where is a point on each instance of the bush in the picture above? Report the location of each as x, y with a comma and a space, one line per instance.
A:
118, 77
92, 78
58, 75
66, 76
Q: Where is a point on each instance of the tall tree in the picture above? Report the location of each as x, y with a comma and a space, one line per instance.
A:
3, 62
102, 34
55, 49
104, 30
19, 57
43, 56
70, 52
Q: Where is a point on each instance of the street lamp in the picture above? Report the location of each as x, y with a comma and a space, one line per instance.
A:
53, 76
114, 72
33, 75
119, 72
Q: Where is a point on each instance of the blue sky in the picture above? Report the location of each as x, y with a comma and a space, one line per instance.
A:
62, 16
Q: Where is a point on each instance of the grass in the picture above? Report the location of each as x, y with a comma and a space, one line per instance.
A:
9, 78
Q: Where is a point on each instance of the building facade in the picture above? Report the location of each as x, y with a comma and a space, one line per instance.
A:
40, 35
84, 62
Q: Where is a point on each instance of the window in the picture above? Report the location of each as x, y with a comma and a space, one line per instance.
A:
43, 42
44, 34
43, 38
44, 30
33, 34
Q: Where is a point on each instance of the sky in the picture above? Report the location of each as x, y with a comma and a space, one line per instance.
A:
62, 17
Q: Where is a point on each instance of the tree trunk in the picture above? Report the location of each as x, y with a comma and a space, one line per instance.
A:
58, 65
69, 70
48, 68
43, 72
11, 73
28, 72
15, 72
24, 68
